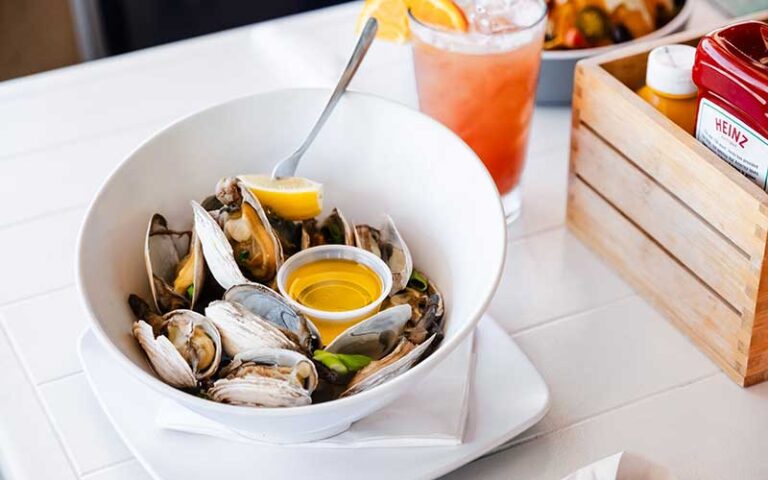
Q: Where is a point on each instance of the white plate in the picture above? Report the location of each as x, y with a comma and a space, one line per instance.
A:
508, 396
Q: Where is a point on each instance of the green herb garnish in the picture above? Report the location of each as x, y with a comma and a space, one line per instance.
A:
418, 281
342, 363
334, 234
191, 291
244, 255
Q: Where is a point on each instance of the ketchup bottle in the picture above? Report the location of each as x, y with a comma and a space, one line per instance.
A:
731, 72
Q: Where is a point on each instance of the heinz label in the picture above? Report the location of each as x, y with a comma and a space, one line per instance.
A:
733, 141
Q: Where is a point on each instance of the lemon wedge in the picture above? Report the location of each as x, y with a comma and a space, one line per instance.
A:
293, 198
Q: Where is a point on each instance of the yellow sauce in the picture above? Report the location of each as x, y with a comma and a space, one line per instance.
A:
681, 109
334, 286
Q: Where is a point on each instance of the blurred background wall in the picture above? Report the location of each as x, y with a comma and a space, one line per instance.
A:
38, 35
35, 35
132, 24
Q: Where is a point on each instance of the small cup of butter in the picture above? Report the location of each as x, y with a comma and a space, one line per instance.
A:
336, 286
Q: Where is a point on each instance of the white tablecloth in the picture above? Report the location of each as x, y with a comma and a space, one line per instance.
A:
621, 377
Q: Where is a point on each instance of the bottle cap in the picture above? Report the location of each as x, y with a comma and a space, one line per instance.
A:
669, 70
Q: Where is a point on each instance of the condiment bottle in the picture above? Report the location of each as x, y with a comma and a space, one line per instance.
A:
669, 86
731, 71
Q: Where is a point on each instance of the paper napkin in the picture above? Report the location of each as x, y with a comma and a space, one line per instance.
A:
622, 466
433, 415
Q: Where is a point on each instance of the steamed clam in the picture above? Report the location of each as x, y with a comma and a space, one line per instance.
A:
241, 342
216, 248
252, 250
242, 330
175, 266
374, 337
405, 355
256, 248
288, 232
368, 238
183, 346
270, 306
387, 243
427, 308
266, 378
382, 339
334, 230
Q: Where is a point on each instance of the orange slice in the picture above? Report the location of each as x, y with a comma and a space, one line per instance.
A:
439, 13
393, 16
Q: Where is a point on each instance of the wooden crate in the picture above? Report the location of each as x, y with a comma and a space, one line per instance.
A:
678, 223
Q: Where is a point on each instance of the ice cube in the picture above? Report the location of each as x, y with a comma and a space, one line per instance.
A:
494, 16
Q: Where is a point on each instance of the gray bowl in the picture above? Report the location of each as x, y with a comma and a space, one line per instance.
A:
557, 66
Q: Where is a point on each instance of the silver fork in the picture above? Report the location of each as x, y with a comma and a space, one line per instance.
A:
287, 166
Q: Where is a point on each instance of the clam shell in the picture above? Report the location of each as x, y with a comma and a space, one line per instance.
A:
387, 368
387, 243
313, 235
374, 337
368, 238
216, 248
303, 371
242, 330
272, 307
259, 392
208, 327
398, 257
250, 199
164, 358
163, 251
346, 228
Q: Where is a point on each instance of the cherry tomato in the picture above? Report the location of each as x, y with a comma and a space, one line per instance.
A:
574, 39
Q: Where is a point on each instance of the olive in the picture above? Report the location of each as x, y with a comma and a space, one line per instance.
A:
620, 33
593, 23
663, 15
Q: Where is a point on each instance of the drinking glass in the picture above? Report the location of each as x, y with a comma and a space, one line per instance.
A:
481, 84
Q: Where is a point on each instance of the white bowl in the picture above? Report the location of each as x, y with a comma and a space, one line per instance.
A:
373, 156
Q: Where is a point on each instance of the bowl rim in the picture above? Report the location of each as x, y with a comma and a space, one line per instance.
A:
680, 19
390, 387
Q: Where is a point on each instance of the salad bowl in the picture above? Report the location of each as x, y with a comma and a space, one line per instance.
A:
558, 66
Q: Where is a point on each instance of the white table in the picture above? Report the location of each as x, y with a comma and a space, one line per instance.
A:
621, 377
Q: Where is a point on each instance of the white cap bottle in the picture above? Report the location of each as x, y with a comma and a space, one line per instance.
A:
669, 70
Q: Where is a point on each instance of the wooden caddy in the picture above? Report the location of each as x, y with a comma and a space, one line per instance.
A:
678, 223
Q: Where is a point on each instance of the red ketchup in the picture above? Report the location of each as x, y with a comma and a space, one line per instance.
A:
731, 72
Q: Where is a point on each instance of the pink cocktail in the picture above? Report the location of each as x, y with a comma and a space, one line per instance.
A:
482, 83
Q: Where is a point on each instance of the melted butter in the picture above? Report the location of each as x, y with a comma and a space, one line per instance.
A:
334, 285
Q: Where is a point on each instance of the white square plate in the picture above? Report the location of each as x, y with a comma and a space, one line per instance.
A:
508, 396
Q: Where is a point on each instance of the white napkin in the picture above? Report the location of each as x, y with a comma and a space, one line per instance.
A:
436, 413
622, 466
